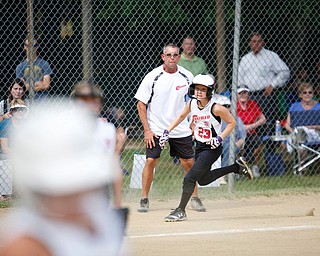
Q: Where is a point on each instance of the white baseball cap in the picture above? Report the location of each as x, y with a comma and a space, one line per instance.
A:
242, 88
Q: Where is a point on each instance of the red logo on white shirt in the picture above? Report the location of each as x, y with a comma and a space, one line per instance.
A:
200, 118
180, 86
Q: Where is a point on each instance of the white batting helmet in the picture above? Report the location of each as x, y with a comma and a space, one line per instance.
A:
206, 80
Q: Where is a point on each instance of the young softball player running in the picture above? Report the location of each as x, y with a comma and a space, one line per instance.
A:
206, 116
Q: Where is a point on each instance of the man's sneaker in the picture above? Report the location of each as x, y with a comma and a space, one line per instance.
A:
255, 171
197, 205
244, 168
144, 205
176, 215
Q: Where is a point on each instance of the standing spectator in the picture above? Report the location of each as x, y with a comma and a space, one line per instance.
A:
16, 90
263, 72
60, 174
42, 72
206, 116
189, 60
252, 117
161, 95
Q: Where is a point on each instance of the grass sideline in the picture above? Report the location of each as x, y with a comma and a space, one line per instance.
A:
168, 182
6, 203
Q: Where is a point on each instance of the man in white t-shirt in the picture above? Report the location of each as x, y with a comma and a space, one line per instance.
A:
161, 97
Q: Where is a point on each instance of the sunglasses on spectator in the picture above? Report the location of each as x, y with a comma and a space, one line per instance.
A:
169, 55
227, 106
307, 92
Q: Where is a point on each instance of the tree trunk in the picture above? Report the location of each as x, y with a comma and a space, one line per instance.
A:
220, 46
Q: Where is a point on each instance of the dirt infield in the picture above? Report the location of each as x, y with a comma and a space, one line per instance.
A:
284, 225
252, 226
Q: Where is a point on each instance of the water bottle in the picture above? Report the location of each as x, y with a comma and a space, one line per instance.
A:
278, 129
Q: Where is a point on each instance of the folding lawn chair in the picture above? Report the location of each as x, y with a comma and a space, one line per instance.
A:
304, 138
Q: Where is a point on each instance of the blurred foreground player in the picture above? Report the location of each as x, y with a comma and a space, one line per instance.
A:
107, 138
60, 175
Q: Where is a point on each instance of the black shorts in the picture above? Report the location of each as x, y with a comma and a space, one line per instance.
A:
180, 147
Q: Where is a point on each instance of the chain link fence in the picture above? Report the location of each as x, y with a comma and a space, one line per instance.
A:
116, 43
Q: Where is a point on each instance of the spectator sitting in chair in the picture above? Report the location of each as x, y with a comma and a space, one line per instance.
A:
16, 90
240, 134
252, 117
17, 112
312, 132
306, 93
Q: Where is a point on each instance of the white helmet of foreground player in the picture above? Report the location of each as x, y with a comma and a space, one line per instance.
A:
54, 152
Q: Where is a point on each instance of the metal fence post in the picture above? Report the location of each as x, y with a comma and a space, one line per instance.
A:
235, 65
86, 40
30, 50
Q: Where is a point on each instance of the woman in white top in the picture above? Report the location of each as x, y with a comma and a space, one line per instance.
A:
206, 115
16, 90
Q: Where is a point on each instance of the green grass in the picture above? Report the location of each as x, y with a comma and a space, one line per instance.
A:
6, 204
167, 182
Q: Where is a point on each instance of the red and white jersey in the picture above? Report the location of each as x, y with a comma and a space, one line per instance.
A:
207, 125
164, 94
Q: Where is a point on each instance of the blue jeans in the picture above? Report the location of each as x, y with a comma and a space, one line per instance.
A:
226, 154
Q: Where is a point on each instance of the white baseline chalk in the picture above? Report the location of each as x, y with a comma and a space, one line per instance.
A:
232, 231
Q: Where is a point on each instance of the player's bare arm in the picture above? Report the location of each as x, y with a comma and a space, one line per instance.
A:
226, 116
148, 134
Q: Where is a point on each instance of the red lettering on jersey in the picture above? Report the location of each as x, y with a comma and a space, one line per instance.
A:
180, 86
201, 118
